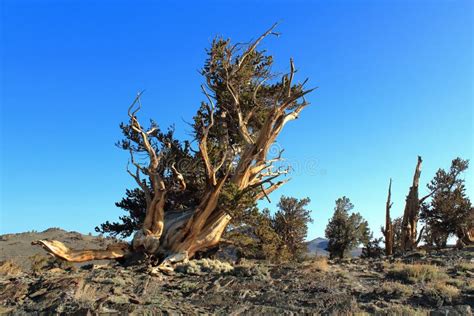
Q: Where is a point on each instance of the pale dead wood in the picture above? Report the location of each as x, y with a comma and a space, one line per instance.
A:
60, 250
411, 213
388, 231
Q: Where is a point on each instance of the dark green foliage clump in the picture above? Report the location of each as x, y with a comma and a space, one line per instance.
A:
259, 235
397, 234
372, 248
290, 222
172, 151
253, 237
133, 203
345, 231
450, 211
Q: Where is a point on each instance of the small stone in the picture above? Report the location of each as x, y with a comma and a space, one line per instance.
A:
118, 299
56, 270
38, 293
134, 300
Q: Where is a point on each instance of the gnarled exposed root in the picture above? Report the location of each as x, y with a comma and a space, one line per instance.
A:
169, 263
465, 237
60, 250
174, 250
150, 243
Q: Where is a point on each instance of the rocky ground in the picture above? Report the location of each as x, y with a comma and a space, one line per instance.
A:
440, 283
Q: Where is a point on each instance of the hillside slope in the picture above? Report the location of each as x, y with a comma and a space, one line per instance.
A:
317, 247
316, 286
18, 247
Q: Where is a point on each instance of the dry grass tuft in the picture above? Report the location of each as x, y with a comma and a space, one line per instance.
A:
456, 283
41, 263
395, 290
465, 266
319, 264
252, 270
440, 293
400, 310
469, 287
9, 268
204, 266
414, 273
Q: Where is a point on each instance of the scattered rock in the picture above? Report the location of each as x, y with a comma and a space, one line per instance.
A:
458, 310
327, 287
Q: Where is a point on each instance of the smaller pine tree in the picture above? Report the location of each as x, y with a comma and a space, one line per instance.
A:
290, 222
397, 234
449, 210
345, 231
258, 235
253, 237
372, 248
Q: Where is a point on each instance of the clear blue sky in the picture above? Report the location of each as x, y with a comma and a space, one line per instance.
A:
395, 78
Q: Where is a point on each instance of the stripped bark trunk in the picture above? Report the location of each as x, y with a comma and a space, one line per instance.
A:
409, 239
388, 232
465, 237
113, 251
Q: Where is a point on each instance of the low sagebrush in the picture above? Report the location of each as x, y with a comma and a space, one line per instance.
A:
414, 273
395, 290
440, 293
9, 268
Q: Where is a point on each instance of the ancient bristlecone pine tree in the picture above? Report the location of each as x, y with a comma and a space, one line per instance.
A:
388, 230
245, 111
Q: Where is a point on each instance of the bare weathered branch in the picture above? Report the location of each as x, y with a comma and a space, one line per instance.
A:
255, 44
203, 141
292, 73
270, 189
179, 177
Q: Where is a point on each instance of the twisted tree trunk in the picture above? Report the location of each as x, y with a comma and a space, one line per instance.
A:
465, 237
409, 239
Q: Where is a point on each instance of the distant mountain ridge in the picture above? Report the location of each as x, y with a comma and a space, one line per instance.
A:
317, 247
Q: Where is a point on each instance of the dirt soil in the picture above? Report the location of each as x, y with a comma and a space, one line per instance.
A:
32, 284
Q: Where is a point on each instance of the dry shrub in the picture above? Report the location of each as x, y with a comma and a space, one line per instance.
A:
41, 263
9, 268
204, 266
395, 290
440, 293
399, 310
188, 287
456, 282
414, 273
319, 264
342, 274
465, 266
469, 287
254, 271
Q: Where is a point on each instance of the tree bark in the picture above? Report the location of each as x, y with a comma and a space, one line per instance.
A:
388, 232
465, 237
411, 213
60, 250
